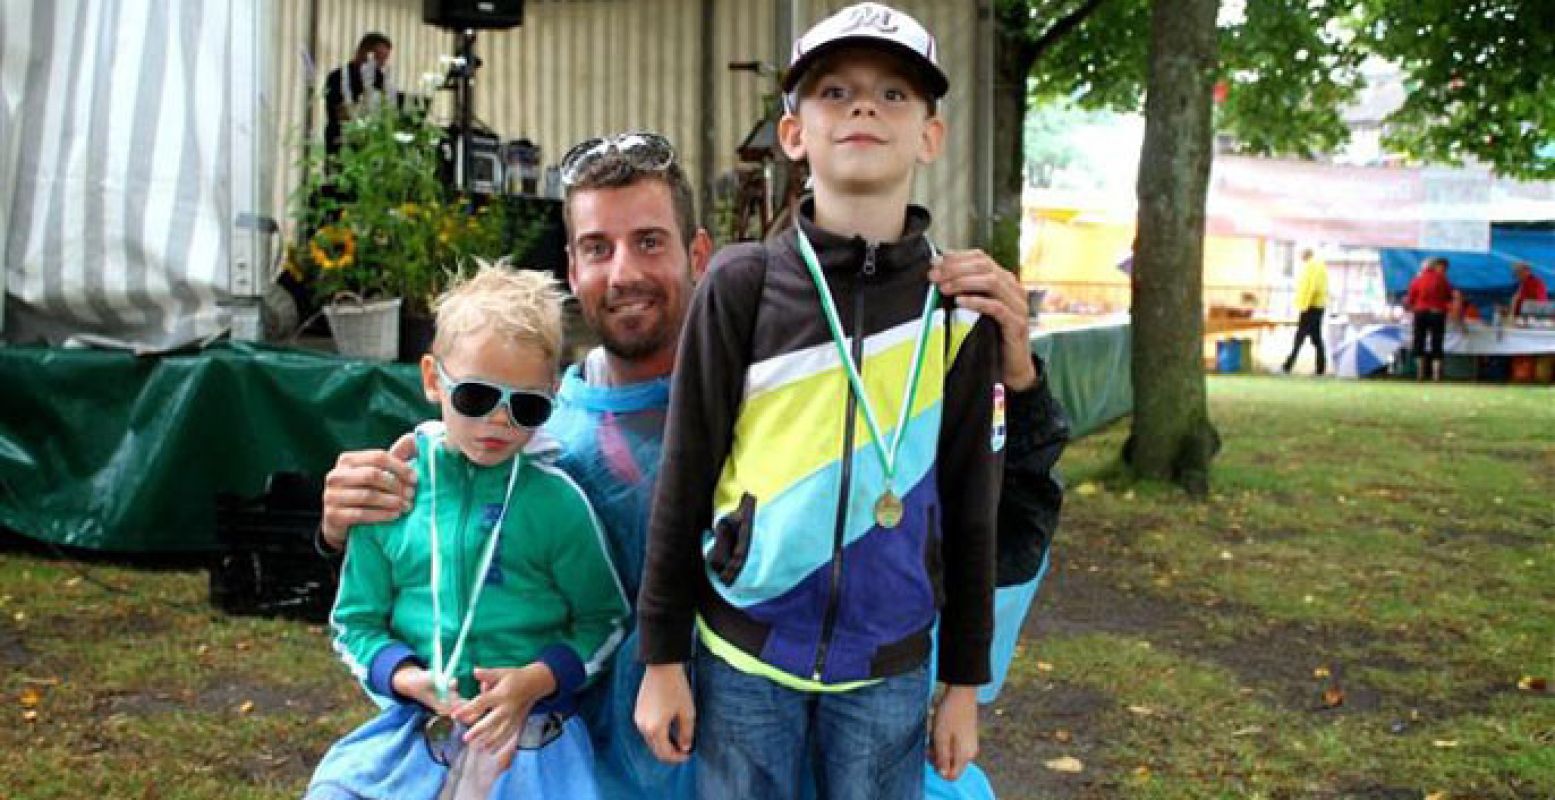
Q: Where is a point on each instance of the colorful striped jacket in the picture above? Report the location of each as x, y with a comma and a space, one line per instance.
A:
763, 526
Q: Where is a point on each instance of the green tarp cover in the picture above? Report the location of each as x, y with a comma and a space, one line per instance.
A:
114, 452
1089, 373
110, 451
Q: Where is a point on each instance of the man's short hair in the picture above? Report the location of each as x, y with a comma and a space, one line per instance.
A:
611, 170
521, 305
371, 41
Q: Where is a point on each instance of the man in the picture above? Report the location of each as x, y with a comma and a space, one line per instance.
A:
634, 252
1311, 298
361, 81
1529, 287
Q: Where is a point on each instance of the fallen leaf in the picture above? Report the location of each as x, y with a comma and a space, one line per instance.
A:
30, 715
1333, 697
247, 707
1436, 796
31, 698
243, 645
20, 616
1142, 772
73, 582
1065, 764
1444, 743
1044, 666
1062, 736
1225, 555
1086, 489
1143, 711
1529, 683
1320, 672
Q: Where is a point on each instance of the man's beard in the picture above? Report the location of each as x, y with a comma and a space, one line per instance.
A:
642, 340
637, 344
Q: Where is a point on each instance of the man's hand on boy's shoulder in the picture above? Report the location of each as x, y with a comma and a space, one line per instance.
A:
367, 486
978, 283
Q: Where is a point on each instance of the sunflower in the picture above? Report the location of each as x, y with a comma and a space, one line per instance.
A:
331, 238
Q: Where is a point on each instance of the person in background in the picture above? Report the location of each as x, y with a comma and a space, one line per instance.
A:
1311, 299
1529, 287
1429, 298
357, 84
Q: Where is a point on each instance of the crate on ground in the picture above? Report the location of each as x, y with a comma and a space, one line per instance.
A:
268, 564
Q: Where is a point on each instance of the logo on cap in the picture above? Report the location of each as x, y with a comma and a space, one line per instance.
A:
866, 15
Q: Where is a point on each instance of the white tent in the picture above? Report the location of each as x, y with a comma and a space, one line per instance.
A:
132, 167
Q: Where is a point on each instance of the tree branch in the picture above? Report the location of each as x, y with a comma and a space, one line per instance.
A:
1062, 27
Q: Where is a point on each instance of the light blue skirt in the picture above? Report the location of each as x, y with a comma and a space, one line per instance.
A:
387, 759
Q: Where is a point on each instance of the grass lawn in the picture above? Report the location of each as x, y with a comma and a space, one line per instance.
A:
1349, 615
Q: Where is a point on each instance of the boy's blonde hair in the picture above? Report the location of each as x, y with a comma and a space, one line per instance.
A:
522, 305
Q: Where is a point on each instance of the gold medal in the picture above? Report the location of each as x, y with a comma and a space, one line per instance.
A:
888, 510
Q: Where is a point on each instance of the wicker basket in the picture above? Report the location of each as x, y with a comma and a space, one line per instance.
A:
365, 329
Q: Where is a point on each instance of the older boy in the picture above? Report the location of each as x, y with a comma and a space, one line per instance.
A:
835, 462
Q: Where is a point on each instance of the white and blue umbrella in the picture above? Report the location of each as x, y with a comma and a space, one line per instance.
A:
1367, 349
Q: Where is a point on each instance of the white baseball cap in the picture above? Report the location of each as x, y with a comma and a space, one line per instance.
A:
875, 25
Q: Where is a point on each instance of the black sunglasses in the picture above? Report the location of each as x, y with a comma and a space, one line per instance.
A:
642, 150
527, 408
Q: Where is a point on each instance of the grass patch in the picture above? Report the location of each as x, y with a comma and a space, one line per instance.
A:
1385, 544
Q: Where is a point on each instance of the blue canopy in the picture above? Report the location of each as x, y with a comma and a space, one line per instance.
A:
1484, 278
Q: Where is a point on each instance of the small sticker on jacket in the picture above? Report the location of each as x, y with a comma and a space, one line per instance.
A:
997, 431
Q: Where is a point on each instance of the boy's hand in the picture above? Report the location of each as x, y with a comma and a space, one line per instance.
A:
980, 284
368, 486
666, 714
415, 682
496, 715
953, 741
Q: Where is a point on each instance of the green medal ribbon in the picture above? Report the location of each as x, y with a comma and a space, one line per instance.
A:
443, 673
888, 508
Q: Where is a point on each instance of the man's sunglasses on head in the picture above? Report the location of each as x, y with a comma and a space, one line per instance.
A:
643, 150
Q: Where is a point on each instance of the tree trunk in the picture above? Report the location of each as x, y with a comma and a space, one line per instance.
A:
1172, 436
1012, 68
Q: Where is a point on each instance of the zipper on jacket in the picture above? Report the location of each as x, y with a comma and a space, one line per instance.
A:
829, 621
461, 533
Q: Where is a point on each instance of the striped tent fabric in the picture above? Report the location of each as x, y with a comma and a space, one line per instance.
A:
114, 162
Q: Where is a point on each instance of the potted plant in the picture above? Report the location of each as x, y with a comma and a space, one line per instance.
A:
382, 236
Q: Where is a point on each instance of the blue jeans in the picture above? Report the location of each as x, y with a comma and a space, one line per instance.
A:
752, 737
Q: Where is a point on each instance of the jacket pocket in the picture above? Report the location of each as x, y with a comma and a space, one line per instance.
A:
732, 540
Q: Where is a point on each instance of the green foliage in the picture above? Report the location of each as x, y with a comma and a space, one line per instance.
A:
377, 218
1481, 79
1480, 74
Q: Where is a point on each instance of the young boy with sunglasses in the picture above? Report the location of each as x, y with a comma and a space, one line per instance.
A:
835, 433
495, 586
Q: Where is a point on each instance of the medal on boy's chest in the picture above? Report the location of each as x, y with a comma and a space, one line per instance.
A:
888, 506
888, 510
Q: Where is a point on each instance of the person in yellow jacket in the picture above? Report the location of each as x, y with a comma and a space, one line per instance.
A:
1311, 298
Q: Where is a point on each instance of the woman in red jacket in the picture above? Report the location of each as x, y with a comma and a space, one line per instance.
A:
1430, 295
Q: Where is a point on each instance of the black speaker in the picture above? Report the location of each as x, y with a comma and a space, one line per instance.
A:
473, 14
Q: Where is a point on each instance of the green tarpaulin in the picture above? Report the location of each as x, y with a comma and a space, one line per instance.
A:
114, 452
